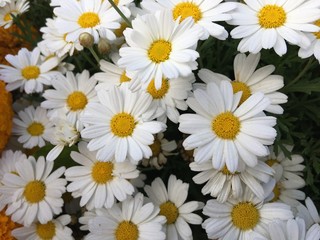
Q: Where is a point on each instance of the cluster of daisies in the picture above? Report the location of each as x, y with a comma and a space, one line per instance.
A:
115, 122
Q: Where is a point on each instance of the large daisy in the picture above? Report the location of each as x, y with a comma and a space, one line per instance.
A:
222, 132
34, 191
12, 7
120, 126
160, 46
99, 183
173, 205
267, 24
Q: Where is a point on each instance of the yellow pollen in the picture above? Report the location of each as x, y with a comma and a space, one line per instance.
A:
88, 20
272, 16
156, 148
277, 192
226, 171
35, 129
170, 211
77, 101
101, 172
159, 51
35, 191
187, 9
124, 77
245, 216
119, 32
127, 231
116, 2
46, 231
30, 72
270, 162
226, 125
122, 125
240, 86
317, 34
158, 93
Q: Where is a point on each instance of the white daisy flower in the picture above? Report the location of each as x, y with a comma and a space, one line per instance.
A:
249, 80
120, 126
309, 213
14, 7
55, 229
172, 205
33, 127
314, 47
131, 219
35, 191
95, 17
28, 71
223, 132
99, 183
4, 2
204, 13
89, 215
71, 94
267, 24
237, 218
160, 46
223, 184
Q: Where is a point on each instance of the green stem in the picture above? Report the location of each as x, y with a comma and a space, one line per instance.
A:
88, 59
120, 13
94, 54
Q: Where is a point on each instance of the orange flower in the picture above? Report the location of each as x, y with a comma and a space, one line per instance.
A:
6, 226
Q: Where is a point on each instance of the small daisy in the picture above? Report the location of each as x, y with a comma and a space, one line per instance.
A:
160, 46
266, 25
120, 126
249, 80
309, 213
29, 72
223, 184
172, 205
236, 219
204, 13
130, 220
35, 191
55, 229
72, 94
223, 132
14, 7
314, 47
99, 183
33, 127
95, 17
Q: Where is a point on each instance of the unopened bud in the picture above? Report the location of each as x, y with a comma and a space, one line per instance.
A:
86, 40
103, 46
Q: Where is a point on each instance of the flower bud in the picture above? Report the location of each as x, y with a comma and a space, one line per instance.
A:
103, 46
86, 40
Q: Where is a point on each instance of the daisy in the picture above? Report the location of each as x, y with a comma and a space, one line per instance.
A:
33, 127
223, 184
120, 126
249, 80
223, 132
28, 71
237, 218
172, 205
35, 191
71, 94
309, 213
55, 229
131, 219
266, 25
314, 47
160, 46
95, 17
99, 183
204, 13
13, 7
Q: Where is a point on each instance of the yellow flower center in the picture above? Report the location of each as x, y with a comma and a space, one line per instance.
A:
35, 129
225, 171
272, 16
77, 101
88, 20
159, 51
122, 125
226, 125
277, 192
119, 32
127, 231
317, 34
170, 211
158, 93
30, 72
46, 231
6, 226
240, 86
124, 77
102, 172
187, 9
156, 148
35, 191
270, 162
245, 216
8, 16
116, 2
